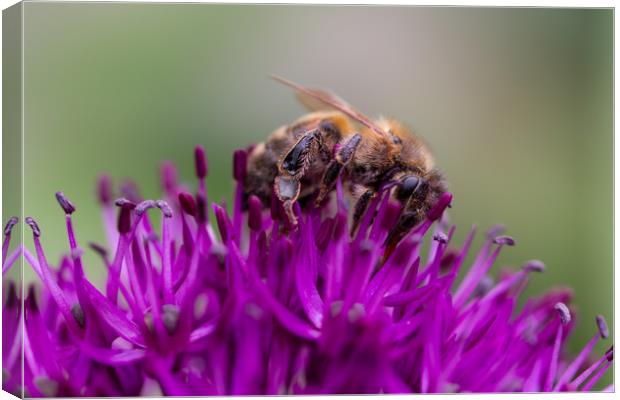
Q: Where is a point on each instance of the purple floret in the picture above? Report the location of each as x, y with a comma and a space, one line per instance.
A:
248, 304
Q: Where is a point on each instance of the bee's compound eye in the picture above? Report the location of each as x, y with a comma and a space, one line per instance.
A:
409, 185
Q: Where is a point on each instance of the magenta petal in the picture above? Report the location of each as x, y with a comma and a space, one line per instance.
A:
305, 277
268, 307
115, 318
288, 320
113, 357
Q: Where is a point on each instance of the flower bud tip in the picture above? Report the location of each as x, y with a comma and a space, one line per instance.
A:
144, 206
507, 240
64, 202
534, 266
188, 204
240, 161
564, 312
255, 208
124, 220
104, 189
602, 326
125, 203
200, 160
165, 208
441, 238
9, 225
34, 226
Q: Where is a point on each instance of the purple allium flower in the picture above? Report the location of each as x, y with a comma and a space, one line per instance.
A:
265, 308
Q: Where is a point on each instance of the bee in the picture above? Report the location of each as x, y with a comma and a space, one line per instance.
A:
305, 159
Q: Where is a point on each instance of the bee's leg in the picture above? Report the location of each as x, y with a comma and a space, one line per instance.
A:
335, 166
405, 223
411, 192
287, 190
293, 167
361, 205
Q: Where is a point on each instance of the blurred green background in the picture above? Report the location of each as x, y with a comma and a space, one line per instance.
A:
516, 103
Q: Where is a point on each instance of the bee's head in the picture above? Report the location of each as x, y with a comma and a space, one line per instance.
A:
425, 187
409, 184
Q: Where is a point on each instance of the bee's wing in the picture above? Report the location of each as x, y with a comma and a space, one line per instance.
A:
314, 104
319, 100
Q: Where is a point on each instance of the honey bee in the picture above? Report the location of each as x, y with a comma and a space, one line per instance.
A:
304, 160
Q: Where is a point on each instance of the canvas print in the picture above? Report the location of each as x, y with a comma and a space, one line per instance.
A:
219, 200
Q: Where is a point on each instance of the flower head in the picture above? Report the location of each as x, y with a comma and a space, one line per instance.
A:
267, 308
